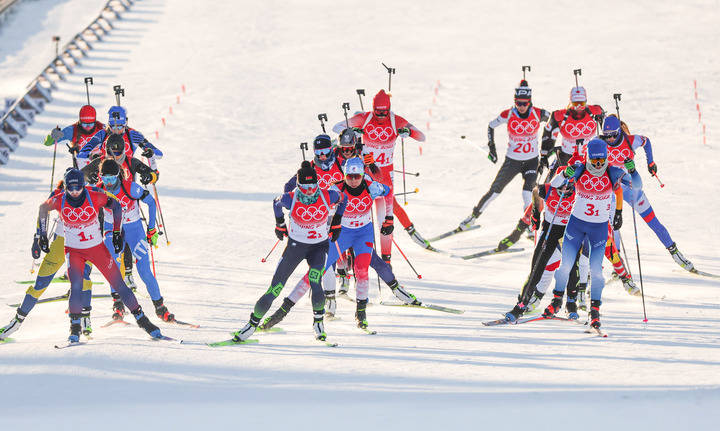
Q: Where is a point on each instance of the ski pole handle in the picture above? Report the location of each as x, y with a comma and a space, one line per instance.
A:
264, 259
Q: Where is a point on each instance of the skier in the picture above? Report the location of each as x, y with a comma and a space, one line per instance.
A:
139, 240
380, 129
622, 145
359, 190
309, 209
523, 123
117, 124
576, 125
595, 184
51, 264
78, 206
78, 133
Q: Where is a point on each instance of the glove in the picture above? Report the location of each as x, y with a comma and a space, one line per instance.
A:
43, 242
617, 221
56, 134
569, 171
118, 242
152, 236
373, 168
35, 249
404, 132
629, 165
368, 158
535, 219
493, 153
280, 228
358, 131
93, 177
73, 150
387, 226
148, 152
544, 163
335, 231
652, 168
149, 177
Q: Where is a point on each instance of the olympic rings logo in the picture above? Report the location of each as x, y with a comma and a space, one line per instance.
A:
308, 214
379, 133
598, 184
82, 214
358, 205
327, 179
617, 156
520, 127
565, 205
577, 130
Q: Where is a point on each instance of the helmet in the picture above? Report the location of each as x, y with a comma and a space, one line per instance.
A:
87, 114
117, 116
307, 180
578, 94
74, 180
354, 166
523, 92
322, 145
110, 172
597, 149
612, 128
348, 139
381, 103
115, 145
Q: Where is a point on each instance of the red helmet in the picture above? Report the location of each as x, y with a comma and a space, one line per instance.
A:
381, 102
87, 114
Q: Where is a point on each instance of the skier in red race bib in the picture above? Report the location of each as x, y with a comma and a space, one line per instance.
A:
77, 134
79, 208
380, 130
523, 124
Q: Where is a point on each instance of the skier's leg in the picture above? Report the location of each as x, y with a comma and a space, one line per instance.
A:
529, 180
316, 257
51, 264
384, 271
572, 240
103, 261
291, 257
401, 215
598, 238
509, 169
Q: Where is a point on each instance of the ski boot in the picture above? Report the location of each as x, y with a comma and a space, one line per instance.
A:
130, 281
630, 286
534, 301
422, 242
118, 307
595, 313
469, 221
582, 297
360, 314
278, 315
511, 239
402, 294
75, 328
679, 258
518, 310
85, 321
386, 258
246, 331
145, 323
13, 326
571, 308
344, 281
162, 311
330, 303
554, 306
318, 325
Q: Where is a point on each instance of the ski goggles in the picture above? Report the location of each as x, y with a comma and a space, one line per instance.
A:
117, 127
611, 134
521, 103
87, 125
323, 151
381, 112
597, 163
308, 189
578, 105
109, 180
73, 187
354, 177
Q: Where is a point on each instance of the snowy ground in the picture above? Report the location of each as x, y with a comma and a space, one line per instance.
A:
257, 75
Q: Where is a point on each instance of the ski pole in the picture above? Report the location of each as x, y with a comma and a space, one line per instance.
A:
627, 262
88, 83
150, 246
303, 147
264, 259
658, 178
322, 117
407, 193
346, 108
406, 259
416, 174
360, 92
402, 152
637, 247
577, 72
391, 72
162, 218
372, 215
524, 68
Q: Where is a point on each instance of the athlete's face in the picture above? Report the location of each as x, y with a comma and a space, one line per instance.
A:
522, 106
353, 180
87, 126
74, 193
381, 115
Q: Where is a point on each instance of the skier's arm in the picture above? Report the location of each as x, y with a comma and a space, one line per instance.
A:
147, 174
339, 198
113, 205
354, 121
281, 202
149, 150
140, 193
378, 189
91, 144
644, 142
547, 140
291, 184
45, 207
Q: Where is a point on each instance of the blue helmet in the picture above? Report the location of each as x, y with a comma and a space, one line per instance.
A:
117, 116
611, 127
354, 165
74, 180
597, 149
